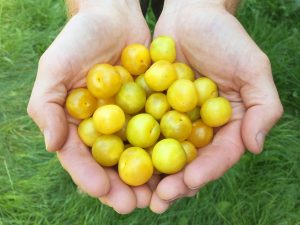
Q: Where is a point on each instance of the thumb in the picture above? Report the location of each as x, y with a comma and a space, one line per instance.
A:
263, 110
45, 106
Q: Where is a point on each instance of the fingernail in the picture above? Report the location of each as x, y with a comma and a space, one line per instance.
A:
80, 191
46, 138
197, 187
105, 201
171, 201
260, 139
121, 213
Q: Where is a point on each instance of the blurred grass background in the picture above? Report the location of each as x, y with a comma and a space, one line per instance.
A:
34, 189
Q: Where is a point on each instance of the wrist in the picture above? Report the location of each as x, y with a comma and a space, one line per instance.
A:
229, 5
75, 6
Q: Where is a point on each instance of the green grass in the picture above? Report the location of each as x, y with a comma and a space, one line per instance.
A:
34, 189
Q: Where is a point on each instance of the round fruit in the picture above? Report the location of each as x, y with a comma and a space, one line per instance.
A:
87, 132
124, 74
201, 134
107, 150
108, 119
182, 95
190, 151
80, 103
140, 80
194, 114
215, 112
176, 125
149, 151
103, 81
206, 89
157, 105
142, 130
105, 101
168, 156
163, 48
122, 133
183, 71
136, 59
131, 98
160, 75
135, 166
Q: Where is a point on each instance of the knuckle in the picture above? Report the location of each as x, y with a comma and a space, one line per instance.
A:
31, 110
44, 59
264, 64
279, 111
259, 66
264, 59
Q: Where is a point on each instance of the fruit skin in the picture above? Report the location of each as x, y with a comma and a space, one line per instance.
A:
131, 98
124, 74
163, 48
122, 133
194, 114
140, 80
183, 71
103, 81
216, 112
176, 125
157, 105
168, 156
105, 101
107, 150
109, 119
80, 103
182, 95
87, 132
201, 134
149, 151
136, 59
135, 166
190, 151
160, 75
206, 89
142, 130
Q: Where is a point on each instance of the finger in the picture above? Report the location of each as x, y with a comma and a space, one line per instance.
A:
120, 196
77, 160
192, 193
216, 158
172, 187
143, 196
153, 182
263, 110
45, 107
157, 205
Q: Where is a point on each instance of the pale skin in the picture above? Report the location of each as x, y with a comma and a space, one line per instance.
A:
210, 39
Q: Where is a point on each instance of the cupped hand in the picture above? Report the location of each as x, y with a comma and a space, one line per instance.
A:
215, 44
96, 34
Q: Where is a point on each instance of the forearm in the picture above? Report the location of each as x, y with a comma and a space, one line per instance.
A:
229, 5
72, 7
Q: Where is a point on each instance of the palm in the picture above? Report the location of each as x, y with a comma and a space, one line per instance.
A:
90, 38
99, 42
87, 39
214, 43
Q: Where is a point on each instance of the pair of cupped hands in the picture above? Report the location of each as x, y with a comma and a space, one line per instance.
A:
208, 38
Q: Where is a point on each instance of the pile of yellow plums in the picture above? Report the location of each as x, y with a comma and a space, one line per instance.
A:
147, 118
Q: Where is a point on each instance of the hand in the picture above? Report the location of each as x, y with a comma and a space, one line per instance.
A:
215, 44
96, 34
